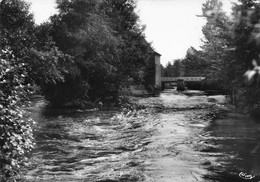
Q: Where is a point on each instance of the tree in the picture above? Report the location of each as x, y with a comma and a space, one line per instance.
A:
217, 41
106, 44
168, 70
217, 50
245, 34
230, 45
81, 31
28, 56
29, 44
134, 49
17, 26
195, 63
175, 69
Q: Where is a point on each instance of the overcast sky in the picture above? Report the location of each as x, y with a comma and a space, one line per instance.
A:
171, 25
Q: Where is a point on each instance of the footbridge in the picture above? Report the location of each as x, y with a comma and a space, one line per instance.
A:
180, 81
160, 81
186, 79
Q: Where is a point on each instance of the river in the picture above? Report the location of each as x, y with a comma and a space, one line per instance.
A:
180, 136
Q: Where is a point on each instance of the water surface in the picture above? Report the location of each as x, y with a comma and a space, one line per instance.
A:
180, 137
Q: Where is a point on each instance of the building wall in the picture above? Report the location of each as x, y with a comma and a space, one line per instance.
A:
150, 73
158, 78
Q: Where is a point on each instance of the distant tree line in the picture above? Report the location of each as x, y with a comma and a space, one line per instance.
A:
174, 69
87, 52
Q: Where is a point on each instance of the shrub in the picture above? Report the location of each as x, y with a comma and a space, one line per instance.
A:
15, 128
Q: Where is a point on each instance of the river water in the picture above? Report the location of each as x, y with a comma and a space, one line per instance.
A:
186, 136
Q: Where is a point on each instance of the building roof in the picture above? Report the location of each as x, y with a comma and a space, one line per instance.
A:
151, 50
156, 53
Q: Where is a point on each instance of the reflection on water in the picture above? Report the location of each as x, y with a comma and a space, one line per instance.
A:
176, 139
238, 136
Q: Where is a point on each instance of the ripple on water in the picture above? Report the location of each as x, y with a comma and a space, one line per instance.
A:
179, 139
89, 147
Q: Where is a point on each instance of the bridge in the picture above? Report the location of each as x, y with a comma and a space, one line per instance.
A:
160, 81
180, 81
186, 79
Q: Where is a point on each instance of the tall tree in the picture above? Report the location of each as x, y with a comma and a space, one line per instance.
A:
217, 50
135, 50
107, 46
230, 45
82, 31
216, 40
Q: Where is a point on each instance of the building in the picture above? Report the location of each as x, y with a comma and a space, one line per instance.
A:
153, 72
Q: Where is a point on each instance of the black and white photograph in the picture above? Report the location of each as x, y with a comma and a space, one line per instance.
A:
129, 90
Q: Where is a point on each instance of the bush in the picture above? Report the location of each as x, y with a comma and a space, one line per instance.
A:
15, 128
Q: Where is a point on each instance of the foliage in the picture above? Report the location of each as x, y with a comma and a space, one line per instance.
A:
175, 69
16, 139
28, 56
81, 31
245, 33
218, 46
15, 127
134, 49
217, 51
106, 48
30, 44
230, 45
17, 26
210, 61
86, 52
194, 63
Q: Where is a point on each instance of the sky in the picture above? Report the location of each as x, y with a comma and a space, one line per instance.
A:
171, 25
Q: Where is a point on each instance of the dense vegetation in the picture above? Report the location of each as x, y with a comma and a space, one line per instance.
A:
230, 44
87, 52
91, 50
106, 46
174, 69
15, 127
